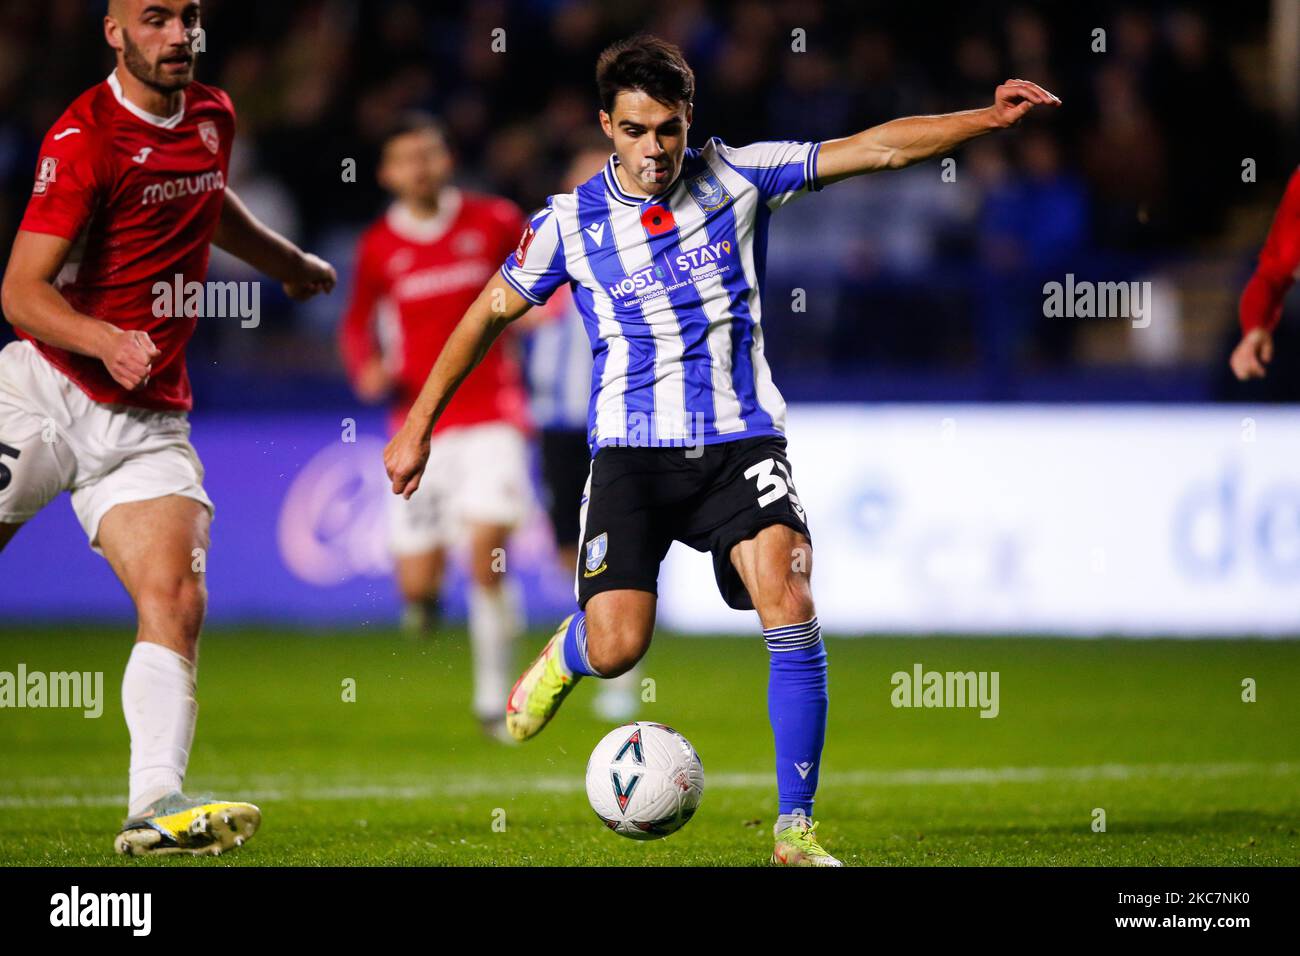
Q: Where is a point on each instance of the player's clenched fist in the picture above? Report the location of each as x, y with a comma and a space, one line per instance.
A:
1252, 355
315, 276
1014, 98
405, 458
129, 358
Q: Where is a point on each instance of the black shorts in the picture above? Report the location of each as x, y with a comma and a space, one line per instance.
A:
641, 500
566, 459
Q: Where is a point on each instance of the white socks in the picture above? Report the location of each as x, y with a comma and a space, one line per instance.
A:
158, 701
494, 622
786, 820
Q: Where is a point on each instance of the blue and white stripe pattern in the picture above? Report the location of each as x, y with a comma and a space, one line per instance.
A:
793, 637
574, 649
670, 291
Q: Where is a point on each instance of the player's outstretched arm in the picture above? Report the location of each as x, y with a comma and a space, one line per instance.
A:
1260, 308
33, 304
902, 142
242, 235
496, 307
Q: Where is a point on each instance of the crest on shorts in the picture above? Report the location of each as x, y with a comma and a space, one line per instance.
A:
597, 548
211, 138
709, 194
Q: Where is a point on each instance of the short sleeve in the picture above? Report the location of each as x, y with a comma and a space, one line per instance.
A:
536, 268
780, 171
1262, 299
69, 182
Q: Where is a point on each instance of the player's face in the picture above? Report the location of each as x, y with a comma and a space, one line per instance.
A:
416, 166
649, 138
156, 39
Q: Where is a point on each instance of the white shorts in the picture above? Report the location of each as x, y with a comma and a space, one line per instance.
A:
57, 438
477, 474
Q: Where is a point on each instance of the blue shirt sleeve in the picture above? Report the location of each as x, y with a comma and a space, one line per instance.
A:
780, 171
537, 267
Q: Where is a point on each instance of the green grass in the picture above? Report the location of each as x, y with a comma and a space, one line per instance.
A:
1153, 732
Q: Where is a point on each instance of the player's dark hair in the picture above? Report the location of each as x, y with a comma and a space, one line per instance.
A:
412, 121
646, 63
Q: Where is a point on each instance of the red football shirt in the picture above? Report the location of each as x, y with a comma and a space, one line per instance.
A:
1279, 265
414, 280
139, 196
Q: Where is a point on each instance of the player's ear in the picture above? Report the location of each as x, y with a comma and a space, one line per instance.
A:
112, 33
606, 124
690, 114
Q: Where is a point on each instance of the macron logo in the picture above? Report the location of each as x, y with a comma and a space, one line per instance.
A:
804, 769
597, 232
67, 132
132, 910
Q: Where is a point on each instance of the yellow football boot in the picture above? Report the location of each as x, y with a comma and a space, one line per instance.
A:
537, 695
797, 845
180, 824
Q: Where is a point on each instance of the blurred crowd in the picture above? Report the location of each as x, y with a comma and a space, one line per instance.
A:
921, 284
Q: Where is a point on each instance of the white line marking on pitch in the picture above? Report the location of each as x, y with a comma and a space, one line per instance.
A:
285, 787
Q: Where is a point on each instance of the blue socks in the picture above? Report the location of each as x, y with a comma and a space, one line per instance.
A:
797, 701
575, 648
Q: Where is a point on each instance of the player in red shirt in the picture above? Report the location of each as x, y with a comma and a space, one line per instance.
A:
130, 191
418, 268
1261, 301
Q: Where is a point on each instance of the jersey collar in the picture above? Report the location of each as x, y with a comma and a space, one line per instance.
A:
162, 122
625, 197
413, 229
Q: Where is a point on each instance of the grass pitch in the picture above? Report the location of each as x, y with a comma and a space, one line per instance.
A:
1154, 733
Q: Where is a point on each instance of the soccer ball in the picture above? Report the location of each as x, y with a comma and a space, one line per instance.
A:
644, 780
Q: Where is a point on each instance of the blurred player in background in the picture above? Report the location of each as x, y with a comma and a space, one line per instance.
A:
418, 268
665, 253
130, 190
559, 382
1260, 309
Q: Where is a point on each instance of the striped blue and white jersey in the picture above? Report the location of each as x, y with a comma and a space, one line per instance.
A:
670, 290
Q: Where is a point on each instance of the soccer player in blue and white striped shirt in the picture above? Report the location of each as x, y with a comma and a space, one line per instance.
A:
665, 252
